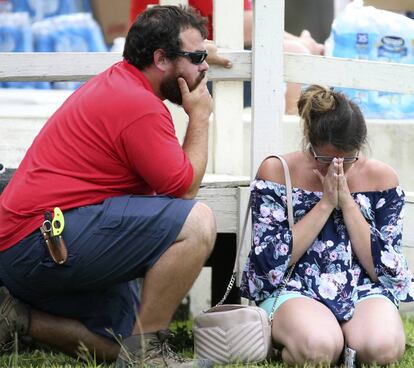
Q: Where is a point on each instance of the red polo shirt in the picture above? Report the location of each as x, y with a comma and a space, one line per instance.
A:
111, 137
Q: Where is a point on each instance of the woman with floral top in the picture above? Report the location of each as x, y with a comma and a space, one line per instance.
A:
349, 271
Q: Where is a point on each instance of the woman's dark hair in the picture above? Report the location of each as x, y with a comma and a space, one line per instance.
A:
329, 117
159, 27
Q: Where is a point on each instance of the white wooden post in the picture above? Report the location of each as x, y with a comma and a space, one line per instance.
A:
228, 95
267, 80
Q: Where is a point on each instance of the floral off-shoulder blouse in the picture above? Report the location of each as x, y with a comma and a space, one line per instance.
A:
329, 270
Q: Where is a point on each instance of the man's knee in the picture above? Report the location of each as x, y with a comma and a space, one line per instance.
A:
201, 226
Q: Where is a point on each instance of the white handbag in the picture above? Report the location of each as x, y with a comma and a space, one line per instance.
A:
231, 333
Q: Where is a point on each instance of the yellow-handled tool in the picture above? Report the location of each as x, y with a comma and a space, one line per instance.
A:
58, 222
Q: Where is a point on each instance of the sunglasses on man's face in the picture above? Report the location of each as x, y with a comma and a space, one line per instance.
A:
326, 160
196, 57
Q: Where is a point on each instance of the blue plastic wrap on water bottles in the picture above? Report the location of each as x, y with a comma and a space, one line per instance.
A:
15, 36
68, 33
5, 6
364, 32
41, 9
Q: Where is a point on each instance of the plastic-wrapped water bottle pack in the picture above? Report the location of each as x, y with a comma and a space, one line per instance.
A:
48, 26
364, 32
40, 9
16, 36
68, 33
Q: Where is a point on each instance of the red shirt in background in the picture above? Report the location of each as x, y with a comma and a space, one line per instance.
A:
205, 7
111, 137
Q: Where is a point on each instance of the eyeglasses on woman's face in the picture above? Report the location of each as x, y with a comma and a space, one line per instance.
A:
326, 160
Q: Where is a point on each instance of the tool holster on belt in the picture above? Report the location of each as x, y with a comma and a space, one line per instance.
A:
56, 246
51, 230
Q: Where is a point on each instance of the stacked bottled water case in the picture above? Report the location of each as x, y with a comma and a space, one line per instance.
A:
68, 33
48, 26
364, 32
41, 9
16, 36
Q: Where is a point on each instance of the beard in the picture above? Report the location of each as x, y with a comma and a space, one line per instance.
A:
171, 91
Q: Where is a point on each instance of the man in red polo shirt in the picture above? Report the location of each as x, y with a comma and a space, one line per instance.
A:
110, 160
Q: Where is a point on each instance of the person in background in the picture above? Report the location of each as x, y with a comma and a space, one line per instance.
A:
110, 160
303, 44
345, 246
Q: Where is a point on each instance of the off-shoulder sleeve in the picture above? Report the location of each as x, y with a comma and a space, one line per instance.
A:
271, 241
386, 245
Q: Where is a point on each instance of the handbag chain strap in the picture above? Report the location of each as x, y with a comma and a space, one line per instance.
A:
285, 281
243, 233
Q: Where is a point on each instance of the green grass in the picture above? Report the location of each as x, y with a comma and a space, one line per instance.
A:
42, 358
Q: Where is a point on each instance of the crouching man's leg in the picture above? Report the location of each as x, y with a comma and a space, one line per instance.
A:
61, 333
164, 241
165, 285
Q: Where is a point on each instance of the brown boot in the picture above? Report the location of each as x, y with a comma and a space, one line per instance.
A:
152, 350
14, 317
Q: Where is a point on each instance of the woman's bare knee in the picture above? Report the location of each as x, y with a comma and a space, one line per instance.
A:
376, 332
321, 349
314, 349
317, 339
380, 349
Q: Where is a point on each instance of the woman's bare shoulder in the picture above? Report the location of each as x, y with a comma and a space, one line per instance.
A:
271, 168
381, 175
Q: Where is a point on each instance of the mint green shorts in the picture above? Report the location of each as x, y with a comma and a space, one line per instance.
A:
267, 305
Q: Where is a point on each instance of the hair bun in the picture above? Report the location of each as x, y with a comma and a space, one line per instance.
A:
316, 100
